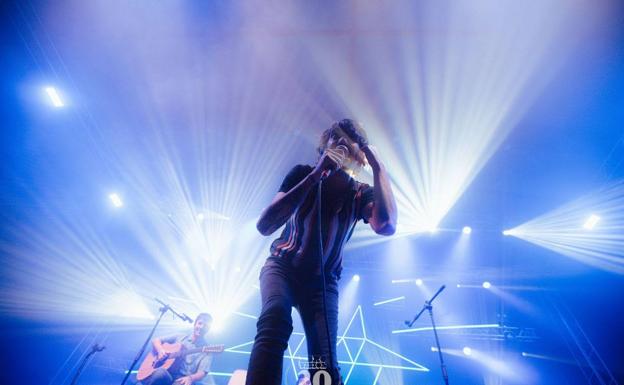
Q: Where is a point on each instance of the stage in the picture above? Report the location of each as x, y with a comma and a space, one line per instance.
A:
142, 142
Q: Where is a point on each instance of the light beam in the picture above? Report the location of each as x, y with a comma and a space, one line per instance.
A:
568, 231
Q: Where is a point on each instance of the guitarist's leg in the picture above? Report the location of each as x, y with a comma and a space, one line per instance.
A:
161, 376
274, 327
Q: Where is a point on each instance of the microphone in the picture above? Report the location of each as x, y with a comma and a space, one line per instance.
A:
162, 303
97, 348
343, 152
186, 318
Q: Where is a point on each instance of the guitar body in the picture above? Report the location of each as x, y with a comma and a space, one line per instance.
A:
151, 363
175, 353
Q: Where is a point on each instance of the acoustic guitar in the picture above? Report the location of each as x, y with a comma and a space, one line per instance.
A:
175, 353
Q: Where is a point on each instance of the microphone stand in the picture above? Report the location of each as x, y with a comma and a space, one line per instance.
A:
94, 349
163, 309
429, 307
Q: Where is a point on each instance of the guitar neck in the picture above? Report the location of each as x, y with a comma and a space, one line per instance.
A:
192, 351
204, 349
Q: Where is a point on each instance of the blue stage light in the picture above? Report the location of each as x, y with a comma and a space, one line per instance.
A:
447, 327
419, 282
389, 301
467, 230
356, 278
467, 351
115, 199
569, 231
486, 285
591, 222
54, 96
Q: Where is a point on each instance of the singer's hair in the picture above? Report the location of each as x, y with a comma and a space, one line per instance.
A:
348, 128
207, 318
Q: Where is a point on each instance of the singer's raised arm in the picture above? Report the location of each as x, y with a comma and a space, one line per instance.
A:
382, 212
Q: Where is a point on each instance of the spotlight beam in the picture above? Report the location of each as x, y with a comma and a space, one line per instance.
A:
597, 240
442, 111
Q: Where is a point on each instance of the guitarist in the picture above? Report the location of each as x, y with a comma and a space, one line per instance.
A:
193, 367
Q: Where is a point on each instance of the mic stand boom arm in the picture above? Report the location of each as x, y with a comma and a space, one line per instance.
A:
427, 306
165, 308
182, 316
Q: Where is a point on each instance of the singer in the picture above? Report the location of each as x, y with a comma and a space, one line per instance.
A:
305, 261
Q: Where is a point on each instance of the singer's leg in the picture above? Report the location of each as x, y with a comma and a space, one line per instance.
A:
312, 314
273, 328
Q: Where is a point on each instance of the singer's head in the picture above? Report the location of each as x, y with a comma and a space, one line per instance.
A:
202, 325
348, 133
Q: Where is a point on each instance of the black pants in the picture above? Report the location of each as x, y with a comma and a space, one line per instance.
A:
281, 289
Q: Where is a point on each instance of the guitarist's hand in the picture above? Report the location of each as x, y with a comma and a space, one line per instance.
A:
184, 380
162, 355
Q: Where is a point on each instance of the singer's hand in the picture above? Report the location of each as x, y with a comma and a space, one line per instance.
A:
162, 355
372, 157
331, 160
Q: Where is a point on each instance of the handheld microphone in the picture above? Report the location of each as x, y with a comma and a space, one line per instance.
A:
187, 318
342, 152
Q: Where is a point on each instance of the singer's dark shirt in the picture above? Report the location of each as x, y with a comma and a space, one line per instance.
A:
343, 200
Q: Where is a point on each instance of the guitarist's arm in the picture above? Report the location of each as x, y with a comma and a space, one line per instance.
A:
157, 343
190, 379
202, 369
